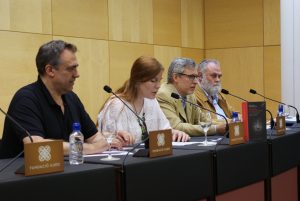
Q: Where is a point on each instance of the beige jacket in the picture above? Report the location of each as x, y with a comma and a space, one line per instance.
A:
186, 120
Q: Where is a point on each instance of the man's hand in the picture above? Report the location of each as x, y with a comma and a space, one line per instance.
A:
221, 128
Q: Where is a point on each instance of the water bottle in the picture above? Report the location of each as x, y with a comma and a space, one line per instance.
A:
235, 117
280, 110
76, 140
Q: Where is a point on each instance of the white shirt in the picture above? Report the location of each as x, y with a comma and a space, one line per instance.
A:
115, 110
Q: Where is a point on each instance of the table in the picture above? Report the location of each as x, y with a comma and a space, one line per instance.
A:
284, 159
185, 175
238, 165
81, 182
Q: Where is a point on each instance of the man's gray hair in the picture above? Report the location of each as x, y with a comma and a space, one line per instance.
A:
178, 65
203, 64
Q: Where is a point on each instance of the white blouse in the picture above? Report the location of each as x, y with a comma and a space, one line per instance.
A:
124, 119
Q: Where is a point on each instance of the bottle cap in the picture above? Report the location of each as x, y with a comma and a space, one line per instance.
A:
235, 115
76, 126
280, 108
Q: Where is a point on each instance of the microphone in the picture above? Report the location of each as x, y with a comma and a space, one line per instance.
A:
16, 123
177, 96
145, 132
297, 113
224, 91
272, 123
22, 128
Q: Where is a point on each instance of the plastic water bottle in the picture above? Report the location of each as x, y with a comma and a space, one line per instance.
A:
76, 140
280, 110
235, 117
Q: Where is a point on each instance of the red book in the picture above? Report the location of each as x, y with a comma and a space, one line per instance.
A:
245, 120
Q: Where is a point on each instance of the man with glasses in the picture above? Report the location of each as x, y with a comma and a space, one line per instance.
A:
207, 92
182, 79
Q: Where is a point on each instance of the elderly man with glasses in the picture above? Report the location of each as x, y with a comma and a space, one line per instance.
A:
182, 79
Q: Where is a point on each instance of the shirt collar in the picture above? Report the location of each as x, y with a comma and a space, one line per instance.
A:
47, 93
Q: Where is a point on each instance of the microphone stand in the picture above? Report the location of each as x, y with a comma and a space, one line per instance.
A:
145, 134
272, 123
297, 113
176, 96
20, 126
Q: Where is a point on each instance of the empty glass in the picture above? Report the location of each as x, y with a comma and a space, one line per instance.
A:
205, 126
110, 133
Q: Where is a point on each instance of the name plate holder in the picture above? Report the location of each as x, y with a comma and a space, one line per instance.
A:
280, 125
236, 133
43, 157
160, 143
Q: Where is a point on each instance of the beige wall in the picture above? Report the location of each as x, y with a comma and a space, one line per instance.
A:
110, 35
245, 37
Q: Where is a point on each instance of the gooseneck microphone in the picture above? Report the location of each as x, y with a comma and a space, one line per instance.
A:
177, 96
224, 91
297, 113
272, 122
22, 128
16, 123
144, 133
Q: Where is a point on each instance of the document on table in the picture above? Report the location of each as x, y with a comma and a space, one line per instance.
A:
183, 143
113, 153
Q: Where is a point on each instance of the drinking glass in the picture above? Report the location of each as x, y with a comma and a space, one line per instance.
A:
110, 134
205, 126
286, 110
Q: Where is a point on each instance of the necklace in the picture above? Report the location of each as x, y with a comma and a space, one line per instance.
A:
142, 122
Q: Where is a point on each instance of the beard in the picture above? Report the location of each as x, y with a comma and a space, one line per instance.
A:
210, 89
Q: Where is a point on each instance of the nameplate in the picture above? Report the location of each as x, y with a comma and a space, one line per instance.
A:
43, 157
160, 143
280, 125
236, 133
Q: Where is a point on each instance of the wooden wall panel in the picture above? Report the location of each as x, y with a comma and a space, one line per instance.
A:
233, 23
131, 20
88, 18
178, 28
271, 22
4, 15
167, 22
196, 54
93, 69
121, 57
17, 56
242, 69
272, 78
192, 23
165, 55
26, 16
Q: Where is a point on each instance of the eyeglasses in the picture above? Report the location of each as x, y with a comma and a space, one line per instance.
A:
191, 77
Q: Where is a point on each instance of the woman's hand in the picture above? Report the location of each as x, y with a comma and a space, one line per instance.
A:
179, 136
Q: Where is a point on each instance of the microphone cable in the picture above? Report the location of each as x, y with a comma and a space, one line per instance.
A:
131, 150
22, 128
11, 161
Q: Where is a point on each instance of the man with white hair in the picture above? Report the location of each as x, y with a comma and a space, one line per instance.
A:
182, 80
207, 91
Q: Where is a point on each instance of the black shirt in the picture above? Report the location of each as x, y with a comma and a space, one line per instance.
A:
34, 108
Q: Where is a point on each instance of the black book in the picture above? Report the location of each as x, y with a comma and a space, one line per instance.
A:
254, 118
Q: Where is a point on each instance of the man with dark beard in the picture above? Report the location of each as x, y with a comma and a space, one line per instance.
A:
207, 91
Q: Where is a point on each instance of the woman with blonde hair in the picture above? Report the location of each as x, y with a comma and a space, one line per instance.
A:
139, 94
